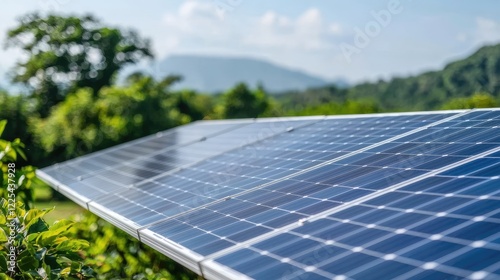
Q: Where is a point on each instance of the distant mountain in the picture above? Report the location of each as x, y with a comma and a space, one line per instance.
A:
479, 72
213, 74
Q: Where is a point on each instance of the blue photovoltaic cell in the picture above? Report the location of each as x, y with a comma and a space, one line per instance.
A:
414, 232
167, 195
210, 186
142, 148
126, 173
288, 201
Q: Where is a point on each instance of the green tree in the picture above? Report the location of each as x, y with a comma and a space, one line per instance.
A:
65, 53
478, 100
72, 128
334, 108
15, 109
194, 105
20, 178
142, 108
241, 102
85, 123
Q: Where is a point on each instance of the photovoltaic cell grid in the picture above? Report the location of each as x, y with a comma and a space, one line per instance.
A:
445, 226
119, 181
86, 166
251, 166
181, 148
249, 192
215, 227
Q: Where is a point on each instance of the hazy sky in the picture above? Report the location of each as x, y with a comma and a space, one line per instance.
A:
357, 40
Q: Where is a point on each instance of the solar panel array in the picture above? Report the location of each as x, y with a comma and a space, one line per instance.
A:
408, 196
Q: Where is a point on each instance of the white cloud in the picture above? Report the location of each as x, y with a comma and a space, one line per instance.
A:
336, 28
462, 37
487, 30
272, 19
194, 21
195, 18
308, 31
310, 18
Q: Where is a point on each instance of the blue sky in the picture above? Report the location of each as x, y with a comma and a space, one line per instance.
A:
357, 40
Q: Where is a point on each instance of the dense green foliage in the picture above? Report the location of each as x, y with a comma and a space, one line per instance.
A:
477, 73
42, 251
428, 91
83, 122
241, 102
23, 178
114, 254
67, 53
29, 247
478, 100
334, 108
15, 110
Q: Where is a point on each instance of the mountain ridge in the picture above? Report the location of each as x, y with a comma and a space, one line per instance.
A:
476, 73
214, 74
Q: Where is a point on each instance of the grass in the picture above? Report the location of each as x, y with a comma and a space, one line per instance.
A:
42, 193
62, 210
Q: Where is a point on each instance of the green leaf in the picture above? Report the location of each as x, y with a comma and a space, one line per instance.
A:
27, 263
3, 263
88, 271
74, 256
75, 267
39, 226
42, 273
48, 270
73, 245
62, 260
66, 271
47, 237
3, 219
34, 215
3, 123
28, 275
40, 254
61, 225
19, 150
3, 236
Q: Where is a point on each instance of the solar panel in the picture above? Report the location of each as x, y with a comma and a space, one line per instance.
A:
243, 169
368, 239
447, 230
86, 167
302, 202
108, 184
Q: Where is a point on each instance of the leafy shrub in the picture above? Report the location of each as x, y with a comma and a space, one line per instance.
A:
83, 123
116, 255
29, 247
478, 100
40, 251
